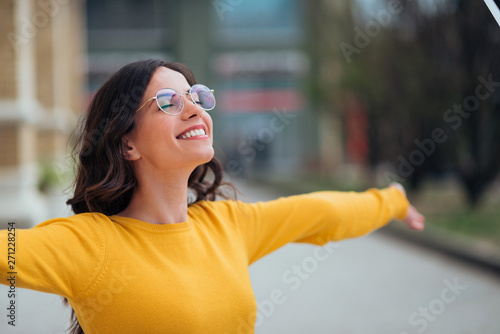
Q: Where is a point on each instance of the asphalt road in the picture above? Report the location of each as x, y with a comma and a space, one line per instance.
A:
373, 284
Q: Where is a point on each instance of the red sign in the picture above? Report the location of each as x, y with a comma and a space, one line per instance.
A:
290, 100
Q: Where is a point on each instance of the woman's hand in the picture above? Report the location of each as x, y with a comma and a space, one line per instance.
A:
413, 218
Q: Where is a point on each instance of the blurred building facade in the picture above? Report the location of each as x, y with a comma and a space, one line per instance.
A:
40, 94
256, 56
263, 58
260, 66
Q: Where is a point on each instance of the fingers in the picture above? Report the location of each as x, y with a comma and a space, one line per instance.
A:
414, 219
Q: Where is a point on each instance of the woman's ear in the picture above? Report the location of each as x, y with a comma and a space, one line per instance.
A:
129, 150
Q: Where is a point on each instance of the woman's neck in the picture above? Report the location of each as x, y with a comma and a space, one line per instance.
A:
161, 199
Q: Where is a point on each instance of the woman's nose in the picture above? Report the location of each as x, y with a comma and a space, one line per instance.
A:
190, 108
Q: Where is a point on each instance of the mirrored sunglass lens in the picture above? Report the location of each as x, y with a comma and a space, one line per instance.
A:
169, 101
203, 96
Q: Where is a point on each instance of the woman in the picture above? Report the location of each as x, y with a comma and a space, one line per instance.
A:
138, 257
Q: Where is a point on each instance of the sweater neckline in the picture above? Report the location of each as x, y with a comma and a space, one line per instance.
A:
184, 226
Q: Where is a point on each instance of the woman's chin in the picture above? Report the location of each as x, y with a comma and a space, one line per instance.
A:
206, 156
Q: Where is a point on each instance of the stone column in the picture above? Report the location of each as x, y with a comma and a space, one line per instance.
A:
41, 82
19, 111
59, 78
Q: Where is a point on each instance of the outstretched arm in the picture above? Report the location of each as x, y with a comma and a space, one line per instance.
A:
317, 217
51, 256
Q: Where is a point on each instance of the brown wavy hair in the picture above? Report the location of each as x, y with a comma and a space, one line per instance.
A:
105, 181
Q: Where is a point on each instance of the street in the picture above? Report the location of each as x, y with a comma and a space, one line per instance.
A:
372, 284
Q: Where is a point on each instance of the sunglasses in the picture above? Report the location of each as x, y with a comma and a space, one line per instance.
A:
171, 102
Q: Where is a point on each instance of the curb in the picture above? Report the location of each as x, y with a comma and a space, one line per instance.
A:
479, 254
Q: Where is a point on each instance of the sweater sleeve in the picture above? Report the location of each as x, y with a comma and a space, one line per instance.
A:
317, 218
59, 256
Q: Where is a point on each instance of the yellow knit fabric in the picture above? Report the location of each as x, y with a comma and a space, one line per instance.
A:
123, 275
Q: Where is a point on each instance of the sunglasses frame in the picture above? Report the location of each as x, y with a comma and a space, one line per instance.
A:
182, 100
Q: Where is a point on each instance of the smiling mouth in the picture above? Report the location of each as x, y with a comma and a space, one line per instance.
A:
198, 133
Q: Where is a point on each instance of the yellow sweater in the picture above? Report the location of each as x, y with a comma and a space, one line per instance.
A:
123, 275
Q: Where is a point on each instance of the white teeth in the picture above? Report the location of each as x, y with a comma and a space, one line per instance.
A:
193, 133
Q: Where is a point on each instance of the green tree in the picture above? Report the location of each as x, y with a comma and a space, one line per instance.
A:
420, 65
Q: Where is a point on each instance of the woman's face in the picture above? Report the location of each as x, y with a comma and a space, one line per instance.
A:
157, 139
